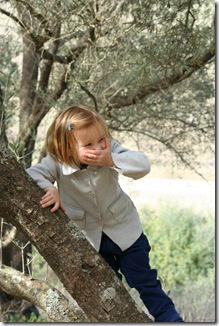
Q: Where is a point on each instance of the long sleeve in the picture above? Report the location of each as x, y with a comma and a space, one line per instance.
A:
44, 173
130, 163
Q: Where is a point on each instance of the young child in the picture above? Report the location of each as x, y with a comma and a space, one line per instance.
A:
86, 162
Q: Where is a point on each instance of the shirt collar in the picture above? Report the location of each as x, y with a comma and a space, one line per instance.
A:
66, 169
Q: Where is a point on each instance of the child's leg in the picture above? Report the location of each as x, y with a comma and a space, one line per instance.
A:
107, 252
134, 264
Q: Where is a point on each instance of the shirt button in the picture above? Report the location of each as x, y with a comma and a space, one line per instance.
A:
91, 194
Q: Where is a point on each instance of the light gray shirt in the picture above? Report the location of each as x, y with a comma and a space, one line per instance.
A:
93, 197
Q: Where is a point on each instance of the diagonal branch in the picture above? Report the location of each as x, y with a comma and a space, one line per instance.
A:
38, 292
44, 22
192, 66
14, 18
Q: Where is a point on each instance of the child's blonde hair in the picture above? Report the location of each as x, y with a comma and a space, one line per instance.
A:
60, 140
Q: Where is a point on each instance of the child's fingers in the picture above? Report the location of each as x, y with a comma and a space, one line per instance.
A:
47, 203
47, 200
55, 207
45, 196
89, 156
52, 201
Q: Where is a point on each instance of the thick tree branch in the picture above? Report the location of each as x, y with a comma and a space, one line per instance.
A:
39, 293
14, 18
193, 65
42, 107
34, 13
3, 136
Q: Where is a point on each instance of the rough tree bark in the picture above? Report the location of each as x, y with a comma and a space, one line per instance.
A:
83, 272
38, 292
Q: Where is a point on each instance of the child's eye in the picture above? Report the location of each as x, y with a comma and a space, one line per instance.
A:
87, 145
101, 139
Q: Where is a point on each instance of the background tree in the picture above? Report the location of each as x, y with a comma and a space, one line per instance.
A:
127, 57
146, 66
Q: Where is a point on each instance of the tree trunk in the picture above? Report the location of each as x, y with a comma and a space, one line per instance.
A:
86, 276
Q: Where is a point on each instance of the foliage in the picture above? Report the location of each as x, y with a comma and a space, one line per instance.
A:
200, 294
140, 64
9, 73
178, 250
183, 252
23, 319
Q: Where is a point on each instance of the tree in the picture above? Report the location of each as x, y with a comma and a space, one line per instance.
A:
133, 61
51, 301
126, 59
86, 276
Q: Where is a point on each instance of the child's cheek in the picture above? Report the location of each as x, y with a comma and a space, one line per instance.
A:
80, 153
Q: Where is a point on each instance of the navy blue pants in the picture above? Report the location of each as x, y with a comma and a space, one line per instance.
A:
134, 265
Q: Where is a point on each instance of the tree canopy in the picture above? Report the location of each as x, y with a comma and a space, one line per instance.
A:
146, 66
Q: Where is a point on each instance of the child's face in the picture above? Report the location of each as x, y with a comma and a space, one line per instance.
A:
90, 140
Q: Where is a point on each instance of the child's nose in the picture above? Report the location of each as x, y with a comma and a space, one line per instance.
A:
99, 147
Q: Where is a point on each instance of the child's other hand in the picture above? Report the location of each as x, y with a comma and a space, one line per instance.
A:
52, 197
100, 157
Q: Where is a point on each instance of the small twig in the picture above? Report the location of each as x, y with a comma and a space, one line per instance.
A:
22, 247
86, 90
1, 233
